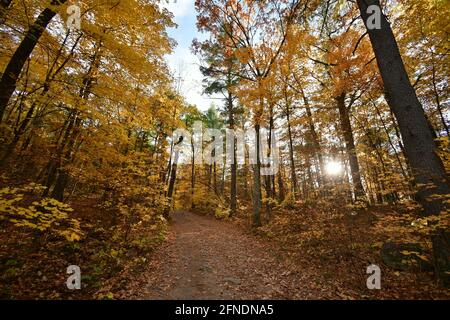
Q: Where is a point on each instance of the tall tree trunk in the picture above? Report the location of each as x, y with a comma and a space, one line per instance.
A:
166, 176
274, 191
257, 181
13, 69
420, 147
291, 154
192, 174
216, 191
68, 157
233, 182
268, 178
55, 161
222, 179
347, 132
173, 177
209, 176
281, 191
314, 137
245, 174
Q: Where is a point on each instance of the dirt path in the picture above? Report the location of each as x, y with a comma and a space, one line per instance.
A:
209, 259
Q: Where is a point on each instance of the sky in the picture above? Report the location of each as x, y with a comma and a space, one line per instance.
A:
182, 61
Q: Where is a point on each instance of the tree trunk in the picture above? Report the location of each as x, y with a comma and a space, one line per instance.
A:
166, 177
268, 178
420, 147
257, 181
314, 137
233, 186
173, 176
192, 174
63, 176
347, 132
281, 192
291, 154
216, 191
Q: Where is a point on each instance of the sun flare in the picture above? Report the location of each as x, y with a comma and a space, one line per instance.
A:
333, 168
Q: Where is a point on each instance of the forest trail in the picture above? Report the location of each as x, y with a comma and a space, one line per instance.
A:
209, 259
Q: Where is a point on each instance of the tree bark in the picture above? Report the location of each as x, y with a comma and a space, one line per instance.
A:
347, 132
257, 181
173, 176
281, 192
192, 173
233, 183
314, 137
268, 178
291, 153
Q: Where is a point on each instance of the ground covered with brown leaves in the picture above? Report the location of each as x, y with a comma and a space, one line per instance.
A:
296, 256
303, 253
34, 266
209, 259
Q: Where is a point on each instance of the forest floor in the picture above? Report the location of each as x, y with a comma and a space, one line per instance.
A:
306, 252
205, 258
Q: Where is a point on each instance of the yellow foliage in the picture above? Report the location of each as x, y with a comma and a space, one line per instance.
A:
43, 215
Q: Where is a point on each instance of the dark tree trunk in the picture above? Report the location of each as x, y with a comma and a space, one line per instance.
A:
281, 191
173, 176
233, 191
216, 191
166, 177
192, 174
268, 178
347, 132
62, 174
257, 181
291, 154
420, 147
209, 176
172, 179
233, 186
14, 68
314, 137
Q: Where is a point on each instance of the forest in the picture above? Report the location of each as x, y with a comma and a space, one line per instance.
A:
320, 171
